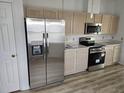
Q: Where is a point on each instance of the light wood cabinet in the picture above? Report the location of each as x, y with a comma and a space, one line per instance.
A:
75, 21
70, 61
76, 60
112, 54
79, 23
89, 19
114, 24
98, 18
34, 12
51, 13
109, 55
106, 20
68, 17
82, 59
116, 53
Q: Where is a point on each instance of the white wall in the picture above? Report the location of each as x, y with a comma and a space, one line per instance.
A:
120, 12
68, 4
108, 6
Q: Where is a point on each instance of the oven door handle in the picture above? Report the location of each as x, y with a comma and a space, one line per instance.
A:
94, 52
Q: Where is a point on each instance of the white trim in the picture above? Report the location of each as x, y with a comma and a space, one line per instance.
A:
18, 17
6, 1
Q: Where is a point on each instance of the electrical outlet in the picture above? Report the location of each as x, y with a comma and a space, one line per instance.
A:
112, 37
103, 37
122, 38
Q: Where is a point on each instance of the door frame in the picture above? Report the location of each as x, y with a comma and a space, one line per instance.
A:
18, 17
20, 41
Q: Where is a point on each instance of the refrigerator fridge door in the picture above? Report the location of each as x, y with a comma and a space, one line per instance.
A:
36, 47
55, 37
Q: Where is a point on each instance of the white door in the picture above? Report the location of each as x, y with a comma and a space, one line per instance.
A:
9, 80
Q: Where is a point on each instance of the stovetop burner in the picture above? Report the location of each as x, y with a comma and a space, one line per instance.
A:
96, 45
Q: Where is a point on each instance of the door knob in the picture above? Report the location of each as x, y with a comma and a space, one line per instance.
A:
13, 56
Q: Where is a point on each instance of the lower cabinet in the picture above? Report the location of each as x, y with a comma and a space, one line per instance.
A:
116, 53
76, 60
112, 54
81, 59
109, 55
70, 61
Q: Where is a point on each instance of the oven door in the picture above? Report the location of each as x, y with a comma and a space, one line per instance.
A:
91, 28
96, 58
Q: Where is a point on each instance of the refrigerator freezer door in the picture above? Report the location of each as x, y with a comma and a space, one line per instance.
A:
35, 40
55, 34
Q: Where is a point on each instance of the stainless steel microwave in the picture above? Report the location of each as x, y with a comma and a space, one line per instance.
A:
92, 28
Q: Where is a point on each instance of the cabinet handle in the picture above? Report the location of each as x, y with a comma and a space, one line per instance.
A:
13, 56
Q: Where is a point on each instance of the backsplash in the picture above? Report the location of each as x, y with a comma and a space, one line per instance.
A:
74, 40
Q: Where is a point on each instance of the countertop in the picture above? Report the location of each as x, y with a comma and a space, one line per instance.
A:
111, 42
75, 47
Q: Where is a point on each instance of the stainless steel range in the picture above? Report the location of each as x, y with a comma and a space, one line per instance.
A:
96, 57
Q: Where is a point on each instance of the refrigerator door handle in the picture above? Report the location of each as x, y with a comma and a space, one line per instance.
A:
47, 35
47, 44
44, 46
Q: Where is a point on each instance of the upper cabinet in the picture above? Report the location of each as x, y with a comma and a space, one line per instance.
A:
89, 19
51, 13
75, 20
106, 24
98, 18
34, 12
114, 24
79, 23
109, 24
68, 17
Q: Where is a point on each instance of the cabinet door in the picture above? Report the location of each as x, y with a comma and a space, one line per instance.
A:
116, 54
79, 23
68, 17
82, 59
51, 13
106, 24
34, 12
109, 55
98, 18
89, 19
114, 24
70, 61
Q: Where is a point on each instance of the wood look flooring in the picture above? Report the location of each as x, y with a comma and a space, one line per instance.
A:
108, 80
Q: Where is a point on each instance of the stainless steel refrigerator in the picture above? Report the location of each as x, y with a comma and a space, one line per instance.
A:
45, 48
